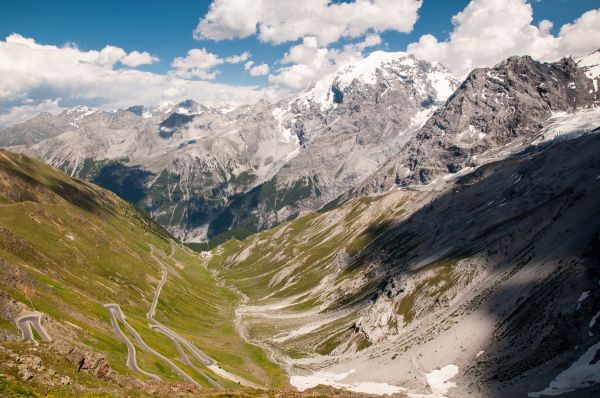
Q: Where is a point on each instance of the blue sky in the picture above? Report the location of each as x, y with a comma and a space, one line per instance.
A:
55, 54
164, 28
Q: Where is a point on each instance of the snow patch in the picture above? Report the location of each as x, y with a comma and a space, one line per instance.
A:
564, 125
442, 84
582, 298
582, 373
286, 135
419, 119
591, 65
438, 382
335, 380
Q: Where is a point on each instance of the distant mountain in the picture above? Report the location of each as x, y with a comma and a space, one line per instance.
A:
495, 112
455, 250
471, 257
210, 172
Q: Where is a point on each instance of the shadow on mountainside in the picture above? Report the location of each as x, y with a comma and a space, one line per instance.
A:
538, 210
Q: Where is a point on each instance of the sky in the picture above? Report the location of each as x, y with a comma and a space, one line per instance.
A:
113, 54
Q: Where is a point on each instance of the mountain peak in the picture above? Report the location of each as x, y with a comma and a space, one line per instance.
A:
391, 66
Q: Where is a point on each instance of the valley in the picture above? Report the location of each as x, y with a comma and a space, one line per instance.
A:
389, 230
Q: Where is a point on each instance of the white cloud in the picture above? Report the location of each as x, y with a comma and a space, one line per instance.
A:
259, 70
200, 63
109, 56
136, 58
488, 31
197, 63
279, 21
236, 59
369, 41
27, 109
309, 62
256, 70
37, 77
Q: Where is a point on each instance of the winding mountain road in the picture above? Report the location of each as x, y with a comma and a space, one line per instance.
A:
116, 314
115, 311
25, 322
177, 340
180, 343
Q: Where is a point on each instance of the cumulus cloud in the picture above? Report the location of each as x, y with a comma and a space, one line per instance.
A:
197, 63
136, 58
237, 59
256, 70
277, 21
39, 77
487, 31
308, 61
200, 63
26, 109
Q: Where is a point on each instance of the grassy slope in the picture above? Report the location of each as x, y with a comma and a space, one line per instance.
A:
69, 247
306, 252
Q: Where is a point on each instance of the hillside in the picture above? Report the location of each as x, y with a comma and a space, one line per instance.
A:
113, 292
491, 278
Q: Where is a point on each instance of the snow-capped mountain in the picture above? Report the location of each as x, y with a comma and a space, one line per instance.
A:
591, 65
204, 171
495, 112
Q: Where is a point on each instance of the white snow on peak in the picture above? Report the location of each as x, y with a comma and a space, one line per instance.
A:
366, 72
78, 109
591, 64
365, 69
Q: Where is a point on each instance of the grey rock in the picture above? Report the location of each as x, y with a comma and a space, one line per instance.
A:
502, 108
201, 172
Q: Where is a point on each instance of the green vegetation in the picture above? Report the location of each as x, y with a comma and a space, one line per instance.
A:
303, 264
68, 247
239, 219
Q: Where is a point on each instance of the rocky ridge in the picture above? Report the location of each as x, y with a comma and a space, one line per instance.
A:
202, 172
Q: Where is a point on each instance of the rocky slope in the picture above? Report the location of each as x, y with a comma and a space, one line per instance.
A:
494, 112
479, 249
203, 172
492, 279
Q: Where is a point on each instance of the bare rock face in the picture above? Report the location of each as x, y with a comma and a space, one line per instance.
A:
91, 362
492, 109
206, 172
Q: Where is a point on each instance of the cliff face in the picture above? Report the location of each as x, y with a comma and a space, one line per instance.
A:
494, 112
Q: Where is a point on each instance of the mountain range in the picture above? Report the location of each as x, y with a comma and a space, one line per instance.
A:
389, 230
204, 173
